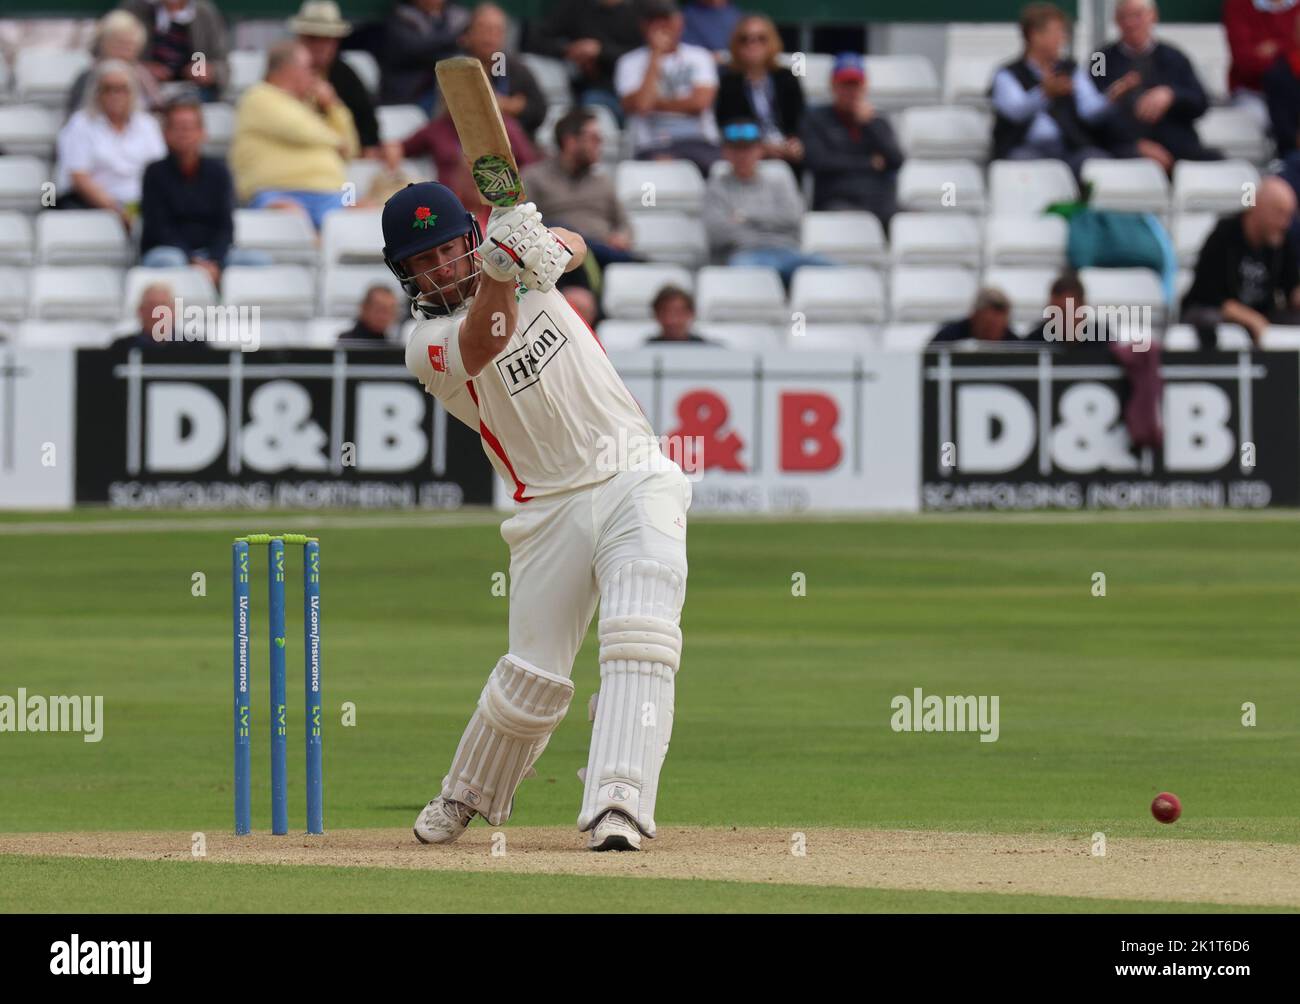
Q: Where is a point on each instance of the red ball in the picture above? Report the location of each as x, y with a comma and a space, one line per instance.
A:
1166, 807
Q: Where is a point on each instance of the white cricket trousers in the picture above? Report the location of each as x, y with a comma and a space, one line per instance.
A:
563, 548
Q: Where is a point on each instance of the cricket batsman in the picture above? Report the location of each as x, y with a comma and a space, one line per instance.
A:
600, 512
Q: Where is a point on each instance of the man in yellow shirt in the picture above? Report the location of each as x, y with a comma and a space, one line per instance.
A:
293, 138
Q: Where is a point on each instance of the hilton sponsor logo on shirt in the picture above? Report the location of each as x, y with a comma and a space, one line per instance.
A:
522, 367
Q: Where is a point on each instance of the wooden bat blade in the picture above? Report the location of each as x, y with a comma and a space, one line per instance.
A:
474, 111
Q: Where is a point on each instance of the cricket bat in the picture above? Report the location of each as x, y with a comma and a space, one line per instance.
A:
474, 111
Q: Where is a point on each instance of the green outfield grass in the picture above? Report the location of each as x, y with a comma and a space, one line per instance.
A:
94, 886
783, 701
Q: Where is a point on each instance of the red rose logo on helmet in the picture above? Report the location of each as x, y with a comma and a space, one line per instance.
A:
424, 218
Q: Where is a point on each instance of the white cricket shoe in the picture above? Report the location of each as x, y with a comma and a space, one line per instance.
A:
442, 821
614, 831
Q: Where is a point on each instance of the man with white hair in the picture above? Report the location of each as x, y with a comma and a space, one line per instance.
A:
1247, 272
104, 148
1155, 117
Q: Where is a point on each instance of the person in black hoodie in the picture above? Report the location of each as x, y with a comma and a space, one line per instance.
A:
590, 36
1247, 271
1047, 107
1157, 118
319, 27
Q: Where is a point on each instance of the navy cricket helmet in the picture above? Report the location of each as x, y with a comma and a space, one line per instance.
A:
424, 216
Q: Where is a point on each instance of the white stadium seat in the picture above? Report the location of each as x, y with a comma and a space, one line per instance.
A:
1189, 231
616, 334
191, 285
1206, 45
1236, 132
45, 76
930, 294
902, 80
1135, 185
552, 77
944, 131
247, 67
69, 293
659, 184
29, 129
668, 236
353, 237
937, 185
343, 286
742, 336
1026, 241
323, 332
1278, 338
967, 80
851, 238
844, 294
814, 72
908, 337
629, 287
21, 178
280, 291
1026, 288
219, 124
1180, 338
1212, 186
1027, 187
1125, 287
14, 296
286, 236
948, 238
749, 293
82, 237
835, 338
397, 122
365, 66
16, 238
1232, 338
64, 334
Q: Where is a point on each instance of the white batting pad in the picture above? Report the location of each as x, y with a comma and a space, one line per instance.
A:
640, 649
518, 710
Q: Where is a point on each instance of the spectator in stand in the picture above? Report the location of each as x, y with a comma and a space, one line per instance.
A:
517, 92
105, 147
293, 138
1156, 119
988, 321
118, 36
583, 300
437, 139
189, 201
1259, 31
851, 151
754, 86
667, 88
753, 218
319, 26
710, 24
187, 43
674, 311
417, 34
376, 317
1046, 106
590, 36
1246, 272
156, 316
571, 194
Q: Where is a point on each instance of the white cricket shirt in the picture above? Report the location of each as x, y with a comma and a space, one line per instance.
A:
552, 411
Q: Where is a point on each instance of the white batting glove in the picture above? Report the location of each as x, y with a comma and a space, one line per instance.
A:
511, 244
551, 262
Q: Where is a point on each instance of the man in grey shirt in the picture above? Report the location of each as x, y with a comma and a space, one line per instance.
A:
753, 218
570, 192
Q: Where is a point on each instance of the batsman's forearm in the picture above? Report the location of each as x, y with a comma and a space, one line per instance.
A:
575, 243
489, 324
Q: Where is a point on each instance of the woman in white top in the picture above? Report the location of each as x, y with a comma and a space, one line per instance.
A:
105, 147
